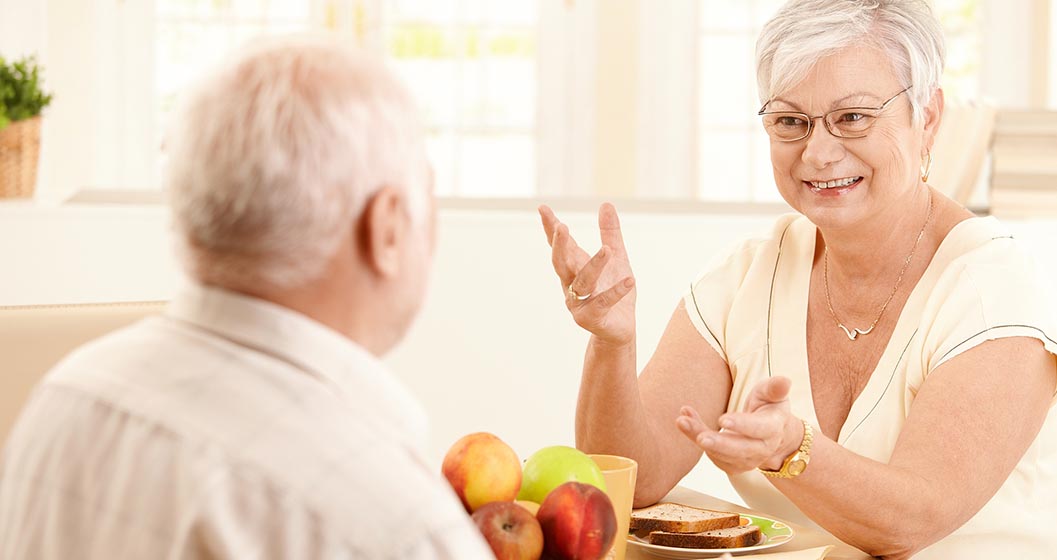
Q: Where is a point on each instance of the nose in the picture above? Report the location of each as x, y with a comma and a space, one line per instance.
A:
822, 148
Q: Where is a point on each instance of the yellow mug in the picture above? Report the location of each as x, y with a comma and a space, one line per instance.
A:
619, 473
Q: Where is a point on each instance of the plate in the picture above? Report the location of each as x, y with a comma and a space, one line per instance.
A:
774, 533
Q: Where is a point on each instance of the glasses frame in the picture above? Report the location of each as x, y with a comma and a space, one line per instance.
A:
825, 121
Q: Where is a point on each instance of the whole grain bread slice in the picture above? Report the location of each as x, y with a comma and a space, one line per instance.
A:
679, 518
733, 537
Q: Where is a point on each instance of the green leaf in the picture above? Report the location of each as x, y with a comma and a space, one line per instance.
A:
21, 93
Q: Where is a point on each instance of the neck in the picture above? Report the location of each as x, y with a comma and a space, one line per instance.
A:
875, 251
343, 302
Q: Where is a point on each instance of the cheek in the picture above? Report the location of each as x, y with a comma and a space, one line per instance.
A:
890, 155
784, 157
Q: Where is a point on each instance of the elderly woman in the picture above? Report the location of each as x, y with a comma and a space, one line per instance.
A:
882, 365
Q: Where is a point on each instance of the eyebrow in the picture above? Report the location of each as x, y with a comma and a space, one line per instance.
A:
835, 105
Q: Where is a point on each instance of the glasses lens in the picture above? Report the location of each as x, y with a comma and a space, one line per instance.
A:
786, 126
851, 123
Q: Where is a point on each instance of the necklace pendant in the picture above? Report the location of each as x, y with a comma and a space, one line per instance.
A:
854, 333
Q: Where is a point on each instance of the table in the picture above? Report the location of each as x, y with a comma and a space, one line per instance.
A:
805, 537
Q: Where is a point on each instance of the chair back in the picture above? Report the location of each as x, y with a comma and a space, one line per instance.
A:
33, 338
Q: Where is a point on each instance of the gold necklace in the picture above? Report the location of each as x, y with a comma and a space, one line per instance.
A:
854, 333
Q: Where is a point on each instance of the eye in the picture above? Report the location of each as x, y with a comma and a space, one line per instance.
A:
790, 121
850, 117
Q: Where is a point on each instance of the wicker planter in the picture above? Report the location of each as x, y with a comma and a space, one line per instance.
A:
19, 153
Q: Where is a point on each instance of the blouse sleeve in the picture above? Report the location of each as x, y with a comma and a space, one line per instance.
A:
710, 297
996, 294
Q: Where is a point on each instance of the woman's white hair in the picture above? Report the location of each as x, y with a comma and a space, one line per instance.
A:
272, 157
804, 31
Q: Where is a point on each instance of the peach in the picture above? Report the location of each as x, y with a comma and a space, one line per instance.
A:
578, 522
481, 468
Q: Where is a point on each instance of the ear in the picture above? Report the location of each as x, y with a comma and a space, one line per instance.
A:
933, 114
383, 229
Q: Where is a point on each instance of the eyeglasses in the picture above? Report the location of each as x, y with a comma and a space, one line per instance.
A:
848, 122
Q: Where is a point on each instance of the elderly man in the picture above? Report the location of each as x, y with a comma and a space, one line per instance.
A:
252, 419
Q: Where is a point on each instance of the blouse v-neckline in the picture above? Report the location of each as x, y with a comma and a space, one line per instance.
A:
788, 308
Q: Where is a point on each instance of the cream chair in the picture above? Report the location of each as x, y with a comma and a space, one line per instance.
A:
33, 338
961, 147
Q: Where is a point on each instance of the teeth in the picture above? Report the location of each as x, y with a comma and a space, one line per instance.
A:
835, 183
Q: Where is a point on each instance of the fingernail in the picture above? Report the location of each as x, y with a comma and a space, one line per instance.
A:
684, 423
629, 282
726, 423
707, 441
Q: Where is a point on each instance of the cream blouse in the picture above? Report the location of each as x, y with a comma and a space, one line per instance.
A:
751, 306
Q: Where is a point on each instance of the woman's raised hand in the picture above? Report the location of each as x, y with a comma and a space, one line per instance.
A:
599, 290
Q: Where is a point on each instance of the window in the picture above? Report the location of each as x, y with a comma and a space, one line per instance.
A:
961, 28
191, 35
733, 150
472, 65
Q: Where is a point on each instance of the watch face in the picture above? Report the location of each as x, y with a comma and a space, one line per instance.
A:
796, 467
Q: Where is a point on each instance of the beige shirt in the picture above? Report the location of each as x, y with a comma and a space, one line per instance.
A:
227, 428
751, 307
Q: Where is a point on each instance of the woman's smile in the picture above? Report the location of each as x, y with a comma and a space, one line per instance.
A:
833, 187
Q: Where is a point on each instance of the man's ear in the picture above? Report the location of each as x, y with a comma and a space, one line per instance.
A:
933, 114
383, 229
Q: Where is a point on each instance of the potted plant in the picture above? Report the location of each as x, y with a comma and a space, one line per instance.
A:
21, 101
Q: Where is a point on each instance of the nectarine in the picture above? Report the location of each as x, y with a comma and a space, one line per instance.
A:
481, 468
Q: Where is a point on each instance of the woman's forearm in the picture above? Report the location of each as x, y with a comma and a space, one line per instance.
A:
608, 403
883, 510
610, 416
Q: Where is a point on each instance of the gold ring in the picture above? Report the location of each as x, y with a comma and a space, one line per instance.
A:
576, 296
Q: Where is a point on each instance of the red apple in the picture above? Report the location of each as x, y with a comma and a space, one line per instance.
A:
578, 522
481, 468
511, 531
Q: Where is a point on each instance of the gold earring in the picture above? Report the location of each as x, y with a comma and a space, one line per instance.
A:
926, 166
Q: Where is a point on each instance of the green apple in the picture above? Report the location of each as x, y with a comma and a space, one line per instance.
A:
553, 466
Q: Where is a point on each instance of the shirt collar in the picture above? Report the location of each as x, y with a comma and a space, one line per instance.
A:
348, 369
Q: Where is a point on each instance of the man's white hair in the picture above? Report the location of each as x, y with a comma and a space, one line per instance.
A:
272, 157
804, 31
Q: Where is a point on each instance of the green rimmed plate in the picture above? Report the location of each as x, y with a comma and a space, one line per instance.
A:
774, 532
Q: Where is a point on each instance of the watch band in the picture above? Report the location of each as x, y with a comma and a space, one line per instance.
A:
795, 464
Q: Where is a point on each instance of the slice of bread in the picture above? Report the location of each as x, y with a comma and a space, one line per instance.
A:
733, 537
678, 518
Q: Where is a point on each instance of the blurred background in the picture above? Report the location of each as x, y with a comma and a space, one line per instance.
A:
523, 98
648, 103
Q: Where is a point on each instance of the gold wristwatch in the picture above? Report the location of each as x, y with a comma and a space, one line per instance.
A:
795, 464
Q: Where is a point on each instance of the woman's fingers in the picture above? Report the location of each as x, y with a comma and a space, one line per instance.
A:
736, 451
566, 256
731, 450
770, 391
689, 422
760, 425
604, 301
692, 426
550, 222
586, 279
609, 227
